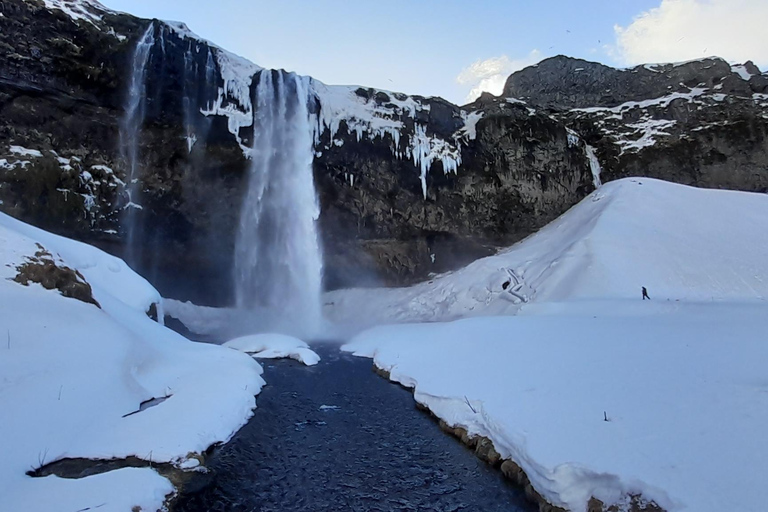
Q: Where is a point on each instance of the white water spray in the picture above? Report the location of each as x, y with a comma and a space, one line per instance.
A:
278, 260
130, 130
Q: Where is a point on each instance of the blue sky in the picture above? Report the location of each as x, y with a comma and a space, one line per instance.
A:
422, 47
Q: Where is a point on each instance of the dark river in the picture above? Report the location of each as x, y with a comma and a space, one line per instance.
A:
370, 448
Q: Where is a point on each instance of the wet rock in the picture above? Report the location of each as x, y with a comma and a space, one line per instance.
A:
152, 311
634, 503
487, 452
513, 472
381, 372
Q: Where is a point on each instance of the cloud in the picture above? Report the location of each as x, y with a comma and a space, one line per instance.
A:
490, 75
681, 30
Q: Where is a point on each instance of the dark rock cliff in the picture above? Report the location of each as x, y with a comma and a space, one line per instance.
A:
63, 85
702, 123
518, 171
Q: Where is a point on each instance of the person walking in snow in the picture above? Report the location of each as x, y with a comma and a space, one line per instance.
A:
645, 294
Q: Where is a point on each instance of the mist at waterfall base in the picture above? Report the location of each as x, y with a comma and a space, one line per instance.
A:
278, 259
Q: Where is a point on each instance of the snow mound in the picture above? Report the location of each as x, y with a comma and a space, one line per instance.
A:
275, 346
74, 378
681, 243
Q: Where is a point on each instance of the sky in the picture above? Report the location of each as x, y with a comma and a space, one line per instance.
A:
456, 48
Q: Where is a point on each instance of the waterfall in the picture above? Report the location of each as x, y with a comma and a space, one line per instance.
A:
190, 97
594, 165
130, 130
278, 261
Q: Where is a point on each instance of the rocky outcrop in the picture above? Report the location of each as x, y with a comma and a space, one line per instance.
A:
518, 171
52, 274
563, 83
408, 185
702, 123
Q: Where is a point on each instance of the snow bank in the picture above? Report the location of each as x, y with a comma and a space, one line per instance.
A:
73, 374
203, 320
682, 385
275, 346
590, 389
680, 242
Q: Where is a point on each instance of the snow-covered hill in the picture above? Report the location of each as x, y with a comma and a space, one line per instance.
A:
681, 243
75, 379
592, 391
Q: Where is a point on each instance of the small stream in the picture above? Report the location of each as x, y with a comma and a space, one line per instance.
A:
369, 449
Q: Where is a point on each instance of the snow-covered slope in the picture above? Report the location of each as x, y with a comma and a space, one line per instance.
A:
73, 376
681, 243
667, 400
109, 276
591, 390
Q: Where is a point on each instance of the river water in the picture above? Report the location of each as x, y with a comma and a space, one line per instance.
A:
368, 449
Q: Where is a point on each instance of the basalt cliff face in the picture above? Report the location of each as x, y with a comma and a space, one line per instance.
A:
702, 123
105, 117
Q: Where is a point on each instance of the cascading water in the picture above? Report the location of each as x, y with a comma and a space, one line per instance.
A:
130, 130
594, 165
190, 99
278, 262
